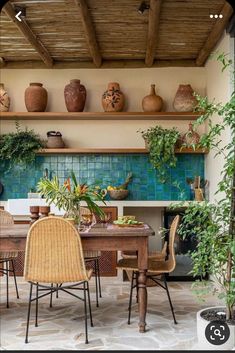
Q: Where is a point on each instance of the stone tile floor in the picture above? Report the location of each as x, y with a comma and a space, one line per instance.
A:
62, 326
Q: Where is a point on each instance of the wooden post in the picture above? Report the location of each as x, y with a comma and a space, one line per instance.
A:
89, 32
153, 30
215, 34
25, 29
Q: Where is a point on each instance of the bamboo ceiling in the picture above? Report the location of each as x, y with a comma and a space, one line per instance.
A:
111, 33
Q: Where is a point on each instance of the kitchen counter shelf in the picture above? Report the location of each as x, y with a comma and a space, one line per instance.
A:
112, 150
99, 116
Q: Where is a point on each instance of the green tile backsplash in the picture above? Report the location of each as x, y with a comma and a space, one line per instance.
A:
106, 170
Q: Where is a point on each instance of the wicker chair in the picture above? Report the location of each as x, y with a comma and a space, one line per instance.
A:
156, 268
54, 255
7, 257
91, 256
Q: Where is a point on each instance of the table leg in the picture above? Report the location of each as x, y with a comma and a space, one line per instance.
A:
142, 279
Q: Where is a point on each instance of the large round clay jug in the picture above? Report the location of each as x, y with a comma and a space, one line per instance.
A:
113, 99
35, 97
75, 96
184, 99
4, 99
152, 102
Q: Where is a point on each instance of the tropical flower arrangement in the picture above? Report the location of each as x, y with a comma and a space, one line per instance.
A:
67, 196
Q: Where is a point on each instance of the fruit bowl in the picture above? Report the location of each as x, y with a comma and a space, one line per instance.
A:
118, 194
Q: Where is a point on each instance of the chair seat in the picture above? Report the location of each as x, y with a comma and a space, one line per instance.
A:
8, 255
154, 267
91, 254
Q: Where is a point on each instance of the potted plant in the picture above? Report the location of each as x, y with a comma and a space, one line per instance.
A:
19, 147
161, 144
69, 195
214, 226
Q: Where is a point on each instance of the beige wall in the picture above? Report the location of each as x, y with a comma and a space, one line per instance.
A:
135, 84
219, 87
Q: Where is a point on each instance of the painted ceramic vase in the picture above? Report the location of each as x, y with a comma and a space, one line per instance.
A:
191, 137
35, 97
113, 99
184, 99
152, 102
75, 96
4, 99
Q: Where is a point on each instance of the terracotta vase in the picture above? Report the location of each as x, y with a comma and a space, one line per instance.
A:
184, 99
75, 96
35, 97
4, 99
191, 137
113, 99
152, 102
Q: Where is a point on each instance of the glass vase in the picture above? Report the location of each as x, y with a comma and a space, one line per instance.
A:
74, 214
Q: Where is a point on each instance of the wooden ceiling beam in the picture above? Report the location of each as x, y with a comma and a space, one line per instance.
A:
89, 32
153, 30
215, 34
27, 32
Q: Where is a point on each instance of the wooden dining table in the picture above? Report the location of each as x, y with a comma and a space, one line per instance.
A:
103, 237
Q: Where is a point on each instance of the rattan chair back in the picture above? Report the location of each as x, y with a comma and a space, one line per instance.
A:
54, 252
6, 218
171, 261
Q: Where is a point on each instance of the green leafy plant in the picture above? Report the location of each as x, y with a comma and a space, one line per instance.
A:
161, 144
19, 147
214, 223
69, 195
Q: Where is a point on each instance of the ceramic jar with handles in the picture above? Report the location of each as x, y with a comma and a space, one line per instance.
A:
184, 101
35, 97
75, 96
4, 99
113, 99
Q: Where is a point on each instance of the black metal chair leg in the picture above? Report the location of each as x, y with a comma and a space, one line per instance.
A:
7, 282
130, 297
51, 295
14, 274
169, 298
28, 317
57, 292
137, 288
98, 270
89, 303
36, 316
85, 312
96, 286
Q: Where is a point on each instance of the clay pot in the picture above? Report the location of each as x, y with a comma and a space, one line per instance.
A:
191, 137
54, 140
113, 99
35, 97
152, 102
75, 96
184, 99
4, 99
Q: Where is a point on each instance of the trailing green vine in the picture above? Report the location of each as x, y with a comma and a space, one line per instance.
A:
161, 144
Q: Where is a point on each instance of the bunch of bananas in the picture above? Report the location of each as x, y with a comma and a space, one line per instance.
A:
122, 186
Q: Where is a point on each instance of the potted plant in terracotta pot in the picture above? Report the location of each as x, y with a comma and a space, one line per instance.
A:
214, 226
68, 196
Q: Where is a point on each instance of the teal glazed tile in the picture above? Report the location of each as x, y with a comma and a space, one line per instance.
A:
106, 170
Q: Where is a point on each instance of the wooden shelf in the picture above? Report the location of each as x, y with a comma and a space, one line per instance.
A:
99, 116
111, 150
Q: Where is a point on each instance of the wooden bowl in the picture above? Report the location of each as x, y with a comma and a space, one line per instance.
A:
118, 194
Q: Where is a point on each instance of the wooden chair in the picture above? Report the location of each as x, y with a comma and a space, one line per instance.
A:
156, 268
54, 255
7, 257
91, 256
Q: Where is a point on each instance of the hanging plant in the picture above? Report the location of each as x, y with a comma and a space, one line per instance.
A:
19, 147
161, 145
